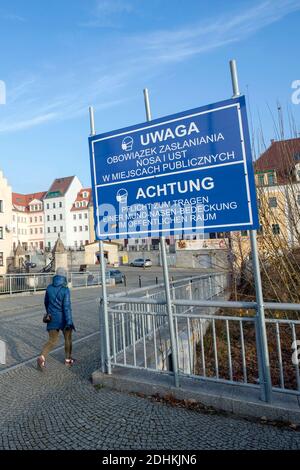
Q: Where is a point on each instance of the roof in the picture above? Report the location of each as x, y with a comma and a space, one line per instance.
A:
280, 156
19, 251
59, 187
81, 198
59, 247
25, 199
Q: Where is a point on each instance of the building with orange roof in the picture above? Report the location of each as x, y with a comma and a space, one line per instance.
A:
28, 221
82, 220
58, 202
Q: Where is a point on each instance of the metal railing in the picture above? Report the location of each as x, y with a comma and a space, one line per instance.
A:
139, 326
16, 283
209, 345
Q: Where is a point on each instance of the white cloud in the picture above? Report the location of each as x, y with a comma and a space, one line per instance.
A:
26, 123
177, 45
12, 17
38, 99
108, 12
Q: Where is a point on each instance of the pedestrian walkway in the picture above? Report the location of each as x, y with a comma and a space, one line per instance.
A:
60, 409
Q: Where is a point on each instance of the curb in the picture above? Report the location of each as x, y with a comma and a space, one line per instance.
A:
252, 407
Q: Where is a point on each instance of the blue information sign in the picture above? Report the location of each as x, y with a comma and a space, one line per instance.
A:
182, 174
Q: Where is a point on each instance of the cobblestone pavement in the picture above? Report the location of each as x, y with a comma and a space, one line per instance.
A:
60, 409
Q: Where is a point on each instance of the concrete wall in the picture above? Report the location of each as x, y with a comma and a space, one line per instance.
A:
185, 259
132, 255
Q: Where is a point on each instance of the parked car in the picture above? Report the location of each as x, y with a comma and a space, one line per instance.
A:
141, 263
116, 275
29, 264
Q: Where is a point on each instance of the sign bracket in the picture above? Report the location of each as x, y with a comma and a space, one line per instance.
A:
169, 304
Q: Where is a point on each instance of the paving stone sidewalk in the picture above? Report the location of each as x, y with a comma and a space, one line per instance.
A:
60, 409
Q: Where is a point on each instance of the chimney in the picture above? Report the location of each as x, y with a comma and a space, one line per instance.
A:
272, 141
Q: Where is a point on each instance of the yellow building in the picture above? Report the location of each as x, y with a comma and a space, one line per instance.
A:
277, 177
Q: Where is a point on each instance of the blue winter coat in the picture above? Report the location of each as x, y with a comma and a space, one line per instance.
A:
58, 304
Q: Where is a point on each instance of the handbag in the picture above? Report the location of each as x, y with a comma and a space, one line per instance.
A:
47, 318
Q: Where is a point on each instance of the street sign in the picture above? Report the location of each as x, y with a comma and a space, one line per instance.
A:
182, 174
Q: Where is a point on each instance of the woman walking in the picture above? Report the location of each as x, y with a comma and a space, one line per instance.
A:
58, 317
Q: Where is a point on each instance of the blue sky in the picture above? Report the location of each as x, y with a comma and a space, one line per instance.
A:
60, 56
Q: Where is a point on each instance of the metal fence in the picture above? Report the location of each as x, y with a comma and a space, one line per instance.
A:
209, 344
34, 282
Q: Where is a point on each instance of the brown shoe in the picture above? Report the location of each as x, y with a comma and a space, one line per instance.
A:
41, 363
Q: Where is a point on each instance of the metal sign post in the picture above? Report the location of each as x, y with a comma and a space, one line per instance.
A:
105, 341
263, 354
169, 304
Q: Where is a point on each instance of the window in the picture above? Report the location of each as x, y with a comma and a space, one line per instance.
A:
80, 228
86, 228
41, 218
54, 205
1, 207
75, 229
271, 179
1, 258
261, 180
74, 216
60, 216
31, 231
48, 229
1, 233
35, 230
85, 216
54, 217
41, 229
48, 218
260, 230
35, 219
54, 229
244, 233
297, 157
84, 194
272, 202
276, 229
61, 229
31, 220
60, 204
48, 206
80, 216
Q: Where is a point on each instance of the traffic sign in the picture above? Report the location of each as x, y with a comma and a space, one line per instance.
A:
182, 174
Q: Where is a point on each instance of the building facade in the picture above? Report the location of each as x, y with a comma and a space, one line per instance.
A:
28, 221
81, 229
58, 202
